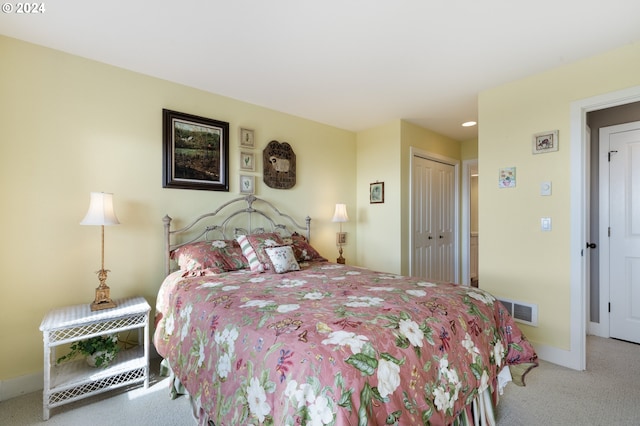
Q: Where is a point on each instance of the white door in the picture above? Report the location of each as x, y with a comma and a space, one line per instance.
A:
624, 229
433, 220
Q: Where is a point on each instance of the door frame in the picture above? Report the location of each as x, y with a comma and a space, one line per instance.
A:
576, 356
602, 329
416, 152
465, 227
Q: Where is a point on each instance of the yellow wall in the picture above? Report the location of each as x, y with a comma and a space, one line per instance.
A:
469, 149
69, 126
517, 260
379, 225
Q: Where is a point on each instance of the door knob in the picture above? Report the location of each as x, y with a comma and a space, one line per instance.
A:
591, 245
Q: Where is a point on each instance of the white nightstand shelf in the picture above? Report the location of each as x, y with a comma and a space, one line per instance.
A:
71, 381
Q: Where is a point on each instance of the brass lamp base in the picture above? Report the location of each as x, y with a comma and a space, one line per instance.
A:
340, 259
103, 299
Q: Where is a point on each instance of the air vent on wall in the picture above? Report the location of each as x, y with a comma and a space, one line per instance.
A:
526, 313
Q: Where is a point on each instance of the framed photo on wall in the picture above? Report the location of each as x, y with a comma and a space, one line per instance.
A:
545, 142
196, 152
376, 193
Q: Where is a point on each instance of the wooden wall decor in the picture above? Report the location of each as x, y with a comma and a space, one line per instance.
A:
279, 167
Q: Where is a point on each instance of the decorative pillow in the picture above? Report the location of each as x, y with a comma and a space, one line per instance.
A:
200, 255
224, 255
259, 242
282, 259
250, 254
303, 250
232, 253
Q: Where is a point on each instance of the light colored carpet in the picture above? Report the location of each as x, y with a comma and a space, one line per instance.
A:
608, 393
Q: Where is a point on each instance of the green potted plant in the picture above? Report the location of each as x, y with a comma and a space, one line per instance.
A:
99, 350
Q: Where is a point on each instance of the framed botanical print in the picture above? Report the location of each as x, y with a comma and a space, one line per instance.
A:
247, 161
246, 138
247, 184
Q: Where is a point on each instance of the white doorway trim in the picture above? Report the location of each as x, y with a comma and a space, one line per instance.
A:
416, 152
465, 228
576, 356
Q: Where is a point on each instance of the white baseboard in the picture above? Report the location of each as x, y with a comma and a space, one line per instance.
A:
556, 356
597, 329
22, 385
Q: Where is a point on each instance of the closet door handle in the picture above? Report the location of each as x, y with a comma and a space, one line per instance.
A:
591, 245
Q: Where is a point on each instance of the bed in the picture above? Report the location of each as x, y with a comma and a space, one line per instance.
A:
259, 328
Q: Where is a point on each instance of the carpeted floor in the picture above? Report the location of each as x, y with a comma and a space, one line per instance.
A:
608, 393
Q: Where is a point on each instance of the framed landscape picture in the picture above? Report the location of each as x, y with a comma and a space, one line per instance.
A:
196, 152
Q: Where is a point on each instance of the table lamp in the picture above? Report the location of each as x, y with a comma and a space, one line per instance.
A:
101, 213
340, 216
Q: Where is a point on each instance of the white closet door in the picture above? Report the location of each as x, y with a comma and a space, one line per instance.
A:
433, 220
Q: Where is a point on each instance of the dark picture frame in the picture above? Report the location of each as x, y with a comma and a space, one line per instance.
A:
195, 152
376, 193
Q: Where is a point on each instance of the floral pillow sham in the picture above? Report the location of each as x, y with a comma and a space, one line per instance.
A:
218, 256
303, 251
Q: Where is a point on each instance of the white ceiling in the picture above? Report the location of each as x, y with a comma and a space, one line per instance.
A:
353, 64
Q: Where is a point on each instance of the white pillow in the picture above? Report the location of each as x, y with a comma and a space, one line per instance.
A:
282, 259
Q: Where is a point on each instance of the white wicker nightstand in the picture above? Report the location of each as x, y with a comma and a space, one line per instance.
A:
71, 381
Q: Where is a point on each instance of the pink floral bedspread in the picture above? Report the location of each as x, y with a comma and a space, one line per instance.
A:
333, 345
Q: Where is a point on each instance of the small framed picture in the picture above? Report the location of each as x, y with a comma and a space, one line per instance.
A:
376, 193
545, 142
247, 161
246, 138
247, 184
507, 177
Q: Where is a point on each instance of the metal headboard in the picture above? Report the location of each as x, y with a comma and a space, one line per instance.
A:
219, 224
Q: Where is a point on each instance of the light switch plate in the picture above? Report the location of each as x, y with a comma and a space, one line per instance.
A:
545, 188
545, 224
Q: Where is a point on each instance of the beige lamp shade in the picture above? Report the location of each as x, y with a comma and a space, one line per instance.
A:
101, 210
340, 214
